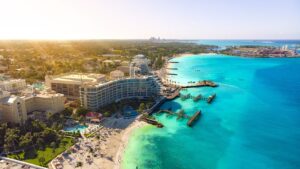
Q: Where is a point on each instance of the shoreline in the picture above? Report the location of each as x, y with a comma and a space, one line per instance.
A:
127, 133
191, 54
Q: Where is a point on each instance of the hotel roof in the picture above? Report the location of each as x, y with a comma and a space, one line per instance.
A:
78, 78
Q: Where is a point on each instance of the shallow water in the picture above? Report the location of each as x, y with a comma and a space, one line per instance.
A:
254, 123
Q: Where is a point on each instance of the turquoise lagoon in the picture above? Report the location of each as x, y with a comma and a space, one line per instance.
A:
254, 123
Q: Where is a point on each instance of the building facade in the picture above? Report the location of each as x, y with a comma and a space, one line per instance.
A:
116, 74
94, 97
53, 103
12, 85
139, 65
12, 108
16, 109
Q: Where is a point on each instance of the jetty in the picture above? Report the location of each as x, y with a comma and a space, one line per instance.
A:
172, 62
153, 122
171, 74
211, 98
195, 117
184, 97
174, 94
172, 68
180, 114
204, 83
197, 98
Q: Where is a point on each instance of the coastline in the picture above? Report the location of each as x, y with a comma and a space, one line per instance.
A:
191, 54
124, 142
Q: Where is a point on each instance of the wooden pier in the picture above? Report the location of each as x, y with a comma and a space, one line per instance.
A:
175, 94
179, 114
208, 99
153, 122
211, 98
171, 74
204, 83
172, 68
173, 62
197, 98
194, 118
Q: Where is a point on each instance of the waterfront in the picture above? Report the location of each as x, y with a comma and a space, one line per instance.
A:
254, 122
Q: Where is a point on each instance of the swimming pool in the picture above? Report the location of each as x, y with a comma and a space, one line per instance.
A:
75, 128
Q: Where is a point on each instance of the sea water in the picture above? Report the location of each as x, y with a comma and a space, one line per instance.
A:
254, 122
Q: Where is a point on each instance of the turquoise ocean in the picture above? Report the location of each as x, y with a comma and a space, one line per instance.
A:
254, 122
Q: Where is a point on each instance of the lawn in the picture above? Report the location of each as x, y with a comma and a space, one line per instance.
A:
48, 153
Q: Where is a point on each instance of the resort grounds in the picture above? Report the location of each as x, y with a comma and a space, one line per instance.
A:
101, 147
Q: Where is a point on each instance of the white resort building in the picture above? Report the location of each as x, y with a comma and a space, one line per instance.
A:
15, 109
116, 74
96, 96
12, 85
139, 65
12, 108
69, 84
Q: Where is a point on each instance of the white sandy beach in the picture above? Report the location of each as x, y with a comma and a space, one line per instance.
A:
106, 151
125, 138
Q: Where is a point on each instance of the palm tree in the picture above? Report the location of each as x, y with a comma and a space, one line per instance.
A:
42, 160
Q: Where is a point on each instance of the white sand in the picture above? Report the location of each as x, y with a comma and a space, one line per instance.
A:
109, 148
125, 138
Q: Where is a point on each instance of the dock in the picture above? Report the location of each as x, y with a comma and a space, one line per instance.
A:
173, 62
174, 95
204, 83
171, 74
153, 122
194, 118
179, 114
211, 98
197, 98
172, 68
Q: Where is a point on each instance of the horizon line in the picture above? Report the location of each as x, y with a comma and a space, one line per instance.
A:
143, 39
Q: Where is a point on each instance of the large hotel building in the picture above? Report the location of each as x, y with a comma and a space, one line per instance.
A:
16, 109
95, 96
69, 84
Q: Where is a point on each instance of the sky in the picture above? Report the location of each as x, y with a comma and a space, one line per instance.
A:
142, 19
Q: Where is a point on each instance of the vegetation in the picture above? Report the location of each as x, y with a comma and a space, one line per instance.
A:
35, 140
43, 157
56, 57
107, 114
141, 108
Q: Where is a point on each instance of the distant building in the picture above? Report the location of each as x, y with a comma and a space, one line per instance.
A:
96, 96
124, 63
12, 85
68, 84
141, 62
3, 68
111, 55
124, 69
108, 62
116, 74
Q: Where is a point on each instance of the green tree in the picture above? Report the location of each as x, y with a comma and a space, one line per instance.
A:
81, 111
106, 114
67, 111
141, 108
42, 161
25, 140
11, 139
